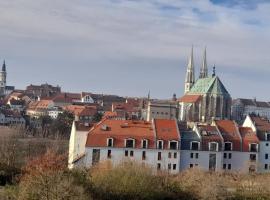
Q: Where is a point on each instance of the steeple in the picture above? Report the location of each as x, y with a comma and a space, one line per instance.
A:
204, 69
190, 74
4, 66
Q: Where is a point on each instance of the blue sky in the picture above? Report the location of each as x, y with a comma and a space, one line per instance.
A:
129, 47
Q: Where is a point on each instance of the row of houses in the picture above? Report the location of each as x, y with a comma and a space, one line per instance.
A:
171, 146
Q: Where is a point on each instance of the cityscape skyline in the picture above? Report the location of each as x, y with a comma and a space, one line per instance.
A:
131, 47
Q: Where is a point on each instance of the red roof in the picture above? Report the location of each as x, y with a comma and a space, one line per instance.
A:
229, 132
248, 137
120, 130
190, 98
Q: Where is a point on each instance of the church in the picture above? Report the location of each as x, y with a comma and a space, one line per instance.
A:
4, 89
205, 99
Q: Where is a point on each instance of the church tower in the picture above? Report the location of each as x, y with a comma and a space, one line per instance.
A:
204, 69
3, 76
190, 74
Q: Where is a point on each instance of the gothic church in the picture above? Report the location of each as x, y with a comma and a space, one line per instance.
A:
205, 99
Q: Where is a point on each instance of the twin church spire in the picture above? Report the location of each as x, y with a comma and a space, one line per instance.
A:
190, 74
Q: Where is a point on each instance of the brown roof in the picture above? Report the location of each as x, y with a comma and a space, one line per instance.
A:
120, 130
229, 132
190, 98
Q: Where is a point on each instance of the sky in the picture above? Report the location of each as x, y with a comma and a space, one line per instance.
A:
130, 47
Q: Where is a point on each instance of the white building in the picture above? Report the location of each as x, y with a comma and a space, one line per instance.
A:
155, 144
261, 126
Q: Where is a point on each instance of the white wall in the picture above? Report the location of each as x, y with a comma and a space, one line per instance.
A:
77, 143
264, 148
118, 156
202, 161
240, 161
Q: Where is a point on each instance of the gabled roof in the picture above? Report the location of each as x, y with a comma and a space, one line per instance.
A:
211, 85
229, 132
248, 137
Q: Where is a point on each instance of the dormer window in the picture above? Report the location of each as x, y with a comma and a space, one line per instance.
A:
160, 144
130, 143
253, 147
227, 146
173, 145
110, 142
213, 146
267, 136
144, 144
195, 146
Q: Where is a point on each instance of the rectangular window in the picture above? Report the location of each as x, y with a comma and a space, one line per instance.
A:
213, 146
265, 166
143, 155
110, 142
195, 146
229, 166
197, 155
228, 146
191, 155
109, 154
175, 155
169, 155
169, 166
252, 157
190, 165
173, 145
159, 155
225, 155
131, 153
174, 166
144, 144
266, 156
126, 153
224, 166
267, 144
267, 137
160, 144
95, 156
253, 147
230, 155
158, 166
130, 143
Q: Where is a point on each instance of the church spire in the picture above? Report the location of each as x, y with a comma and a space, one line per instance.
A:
190, 74
204, 69
4, 66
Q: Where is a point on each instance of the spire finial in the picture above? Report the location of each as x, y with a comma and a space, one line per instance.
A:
214, 71
204, 69
190, 74
4, 66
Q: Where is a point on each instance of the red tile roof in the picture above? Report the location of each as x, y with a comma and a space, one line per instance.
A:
190, 98
248, 137
120, 130
229, 132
